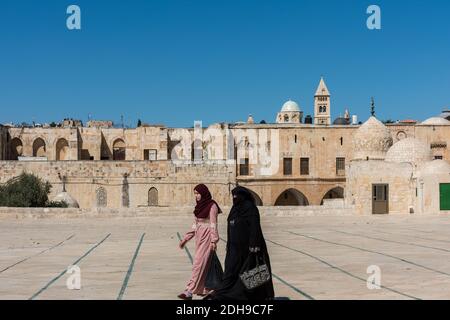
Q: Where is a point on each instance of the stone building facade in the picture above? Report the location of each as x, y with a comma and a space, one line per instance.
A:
289, 162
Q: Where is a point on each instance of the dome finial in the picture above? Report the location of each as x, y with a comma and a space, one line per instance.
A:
372, 107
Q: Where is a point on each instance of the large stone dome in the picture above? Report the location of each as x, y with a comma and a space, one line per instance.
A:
436, 121
409, 150
290, 106
372, 140
67, 198
437, 166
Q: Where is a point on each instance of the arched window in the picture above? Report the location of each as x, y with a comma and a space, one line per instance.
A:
62, 149
119, 150
16, 149
153, 197
102, 200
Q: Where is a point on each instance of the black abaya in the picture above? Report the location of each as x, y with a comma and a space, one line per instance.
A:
243, 231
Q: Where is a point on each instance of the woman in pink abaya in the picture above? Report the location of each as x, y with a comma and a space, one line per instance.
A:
204, 229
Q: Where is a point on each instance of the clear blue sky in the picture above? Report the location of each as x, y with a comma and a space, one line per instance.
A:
173, 62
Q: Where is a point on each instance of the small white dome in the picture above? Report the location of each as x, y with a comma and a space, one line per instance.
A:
290, 106
67, 198
409, 150
437, 166
436, 121
372, 140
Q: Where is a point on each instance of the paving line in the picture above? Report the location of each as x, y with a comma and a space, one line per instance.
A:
340, 269
411, 236
37, 254
186, 249
130, 269
64, 272
391, 241
287, 283
373, 251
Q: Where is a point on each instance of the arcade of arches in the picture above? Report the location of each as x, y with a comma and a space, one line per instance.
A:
304, 195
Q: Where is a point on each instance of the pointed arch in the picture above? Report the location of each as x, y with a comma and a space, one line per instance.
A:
291, 197
153, 197
256, 197
334, 193
119, 149
62, 149
39, 148
16, 149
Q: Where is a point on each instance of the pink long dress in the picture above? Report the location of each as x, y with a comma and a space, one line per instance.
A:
205, 232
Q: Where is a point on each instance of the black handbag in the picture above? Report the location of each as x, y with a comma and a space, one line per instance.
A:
255, 271
215, 272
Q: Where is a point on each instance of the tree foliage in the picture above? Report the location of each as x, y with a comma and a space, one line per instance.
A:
27, 191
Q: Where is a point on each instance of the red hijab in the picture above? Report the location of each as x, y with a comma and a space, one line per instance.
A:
204, 205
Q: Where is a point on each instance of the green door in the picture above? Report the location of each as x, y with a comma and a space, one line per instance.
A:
444, 192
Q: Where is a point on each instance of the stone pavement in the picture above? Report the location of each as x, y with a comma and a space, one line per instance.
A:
312, 257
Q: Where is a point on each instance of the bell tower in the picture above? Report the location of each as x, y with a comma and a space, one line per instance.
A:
322, 104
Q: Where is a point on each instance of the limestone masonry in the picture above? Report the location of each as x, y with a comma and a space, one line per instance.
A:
368, 168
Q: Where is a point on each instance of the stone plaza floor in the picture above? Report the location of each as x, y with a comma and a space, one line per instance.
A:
312, 257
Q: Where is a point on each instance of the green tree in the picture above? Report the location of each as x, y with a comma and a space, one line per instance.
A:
27, 190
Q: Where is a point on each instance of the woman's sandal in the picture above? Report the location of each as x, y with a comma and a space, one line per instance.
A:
184, 296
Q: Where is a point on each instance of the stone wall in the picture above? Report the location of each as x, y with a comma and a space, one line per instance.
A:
3, 142
173, 183
46, 213
437, 137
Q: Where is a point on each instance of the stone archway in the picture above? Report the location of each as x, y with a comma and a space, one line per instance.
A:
335, 193
153, 197
119, 149
291, 197
16, 149
62, 149
39, 148
256, 197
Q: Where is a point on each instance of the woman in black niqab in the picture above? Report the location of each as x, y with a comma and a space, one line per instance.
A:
244, 234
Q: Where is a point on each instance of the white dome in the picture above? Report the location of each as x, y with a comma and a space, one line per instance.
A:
290, 106
372, 140
409, 150
437, 166
67, 198
436, 121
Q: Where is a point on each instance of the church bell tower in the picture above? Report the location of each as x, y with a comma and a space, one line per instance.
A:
322, 112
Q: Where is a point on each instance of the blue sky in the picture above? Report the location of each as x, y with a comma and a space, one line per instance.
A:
173, 62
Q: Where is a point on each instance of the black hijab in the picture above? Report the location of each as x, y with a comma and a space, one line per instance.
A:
242, 202
241, 195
